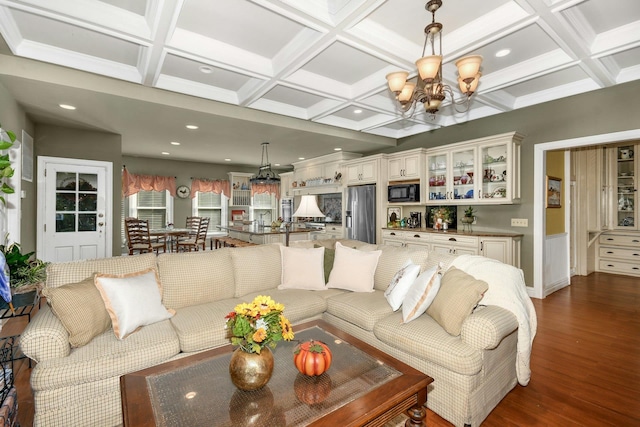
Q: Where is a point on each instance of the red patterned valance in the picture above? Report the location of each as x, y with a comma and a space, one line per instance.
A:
207, 186
265, 188
133, 183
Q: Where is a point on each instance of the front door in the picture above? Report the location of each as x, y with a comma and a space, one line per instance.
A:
74, 209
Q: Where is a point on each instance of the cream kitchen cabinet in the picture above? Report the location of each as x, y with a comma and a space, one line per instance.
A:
362, 172
406, 238
333, 231
619, 252
458, 245
504, 249
407, 165
482, 171
624, 181
286, 178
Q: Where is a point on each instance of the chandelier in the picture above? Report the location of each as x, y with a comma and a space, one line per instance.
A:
429, 89
265, 175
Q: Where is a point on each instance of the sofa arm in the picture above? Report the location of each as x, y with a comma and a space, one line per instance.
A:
487, 326
45, 337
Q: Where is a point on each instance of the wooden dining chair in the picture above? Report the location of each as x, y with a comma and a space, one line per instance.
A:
199, 240
138, 238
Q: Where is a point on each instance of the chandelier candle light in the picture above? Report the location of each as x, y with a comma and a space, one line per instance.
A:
430, 89
265, 175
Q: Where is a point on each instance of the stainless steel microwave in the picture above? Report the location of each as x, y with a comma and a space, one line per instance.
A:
404, 193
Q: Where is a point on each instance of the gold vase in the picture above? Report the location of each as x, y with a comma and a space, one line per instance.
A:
251, 371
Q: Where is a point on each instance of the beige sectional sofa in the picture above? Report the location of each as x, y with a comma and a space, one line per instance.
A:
80, 386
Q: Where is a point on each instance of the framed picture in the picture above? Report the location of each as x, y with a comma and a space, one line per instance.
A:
554, 192
394, 210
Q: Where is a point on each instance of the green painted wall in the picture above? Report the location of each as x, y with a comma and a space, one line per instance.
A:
597, 112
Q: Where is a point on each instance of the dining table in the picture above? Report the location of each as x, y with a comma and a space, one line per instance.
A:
170, 234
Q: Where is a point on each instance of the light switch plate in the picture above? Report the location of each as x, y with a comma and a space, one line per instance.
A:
519, 222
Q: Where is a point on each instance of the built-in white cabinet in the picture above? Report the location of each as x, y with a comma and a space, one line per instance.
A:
504, 248
362, 171
406, 165
286, 178
458, 245
240, 189
625, 170
619, 252
482, 171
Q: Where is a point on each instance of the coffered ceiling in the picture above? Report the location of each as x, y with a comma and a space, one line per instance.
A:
322, 61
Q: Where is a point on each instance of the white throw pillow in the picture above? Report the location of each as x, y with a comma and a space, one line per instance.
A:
302, 268
353, 270
400, 284
421, 294
132, 300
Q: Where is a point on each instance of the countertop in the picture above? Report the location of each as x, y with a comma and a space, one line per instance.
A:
263, 231
456, 232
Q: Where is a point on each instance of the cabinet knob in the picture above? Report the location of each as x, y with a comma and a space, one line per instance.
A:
635, 241
610, 265
452, 239
416, 236
392, 233
609, 252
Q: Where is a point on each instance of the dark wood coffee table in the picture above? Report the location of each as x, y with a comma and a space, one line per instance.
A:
363, 387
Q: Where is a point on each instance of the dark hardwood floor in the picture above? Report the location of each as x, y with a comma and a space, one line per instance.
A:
585, 360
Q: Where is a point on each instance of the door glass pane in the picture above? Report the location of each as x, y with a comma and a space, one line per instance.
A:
463, 171
626, 187
87, 202
437, 176
88, 182
65, 181
65, 223
65, 202
87, 222
494, 171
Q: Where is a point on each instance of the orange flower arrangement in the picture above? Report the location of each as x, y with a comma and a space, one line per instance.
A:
258, 324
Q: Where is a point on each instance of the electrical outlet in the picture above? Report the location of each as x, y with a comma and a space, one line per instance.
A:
519, 222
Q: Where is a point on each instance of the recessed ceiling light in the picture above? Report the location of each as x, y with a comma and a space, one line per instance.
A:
175, 143
357, 111
300, 158
67, 106
276, 164
206, 69
227, 160
337, 149
190, 395
503, 52
192, 127
165, 153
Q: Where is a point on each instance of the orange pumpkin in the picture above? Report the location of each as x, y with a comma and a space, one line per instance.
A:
312, 357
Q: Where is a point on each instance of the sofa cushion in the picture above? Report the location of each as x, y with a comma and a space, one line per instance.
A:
425, 338
302, 268
299, 305
422, 293
208, 275
106, 356
393, 259
132, 300
353, 270
361, 309
400, 284
62, 273
458, 295
81, 310
202, 326
256, 268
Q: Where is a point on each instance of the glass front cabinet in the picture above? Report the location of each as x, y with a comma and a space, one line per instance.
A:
483, 171
625, 187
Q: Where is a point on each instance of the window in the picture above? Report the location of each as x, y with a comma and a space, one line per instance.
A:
264, 207
213, 206
154, 206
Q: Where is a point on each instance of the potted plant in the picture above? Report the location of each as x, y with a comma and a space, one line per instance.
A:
25, 271
468, 218
7, 138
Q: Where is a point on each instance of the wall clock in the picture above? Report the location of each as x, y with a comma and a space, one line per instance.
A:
183, 191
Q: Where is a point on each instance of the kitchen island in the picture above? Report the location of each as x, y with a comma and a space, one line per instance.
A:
265, 234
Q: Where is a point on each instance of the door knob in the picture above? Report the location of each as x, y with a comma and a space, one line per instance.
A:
101, 224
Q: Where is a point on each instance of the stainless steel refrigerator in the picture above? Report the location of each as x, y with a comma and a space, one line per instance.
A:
360, 213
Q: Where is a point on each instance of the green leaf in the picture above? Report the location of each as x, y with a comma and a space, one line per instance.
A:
4, 163
8, 172
7, 189
5, 144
